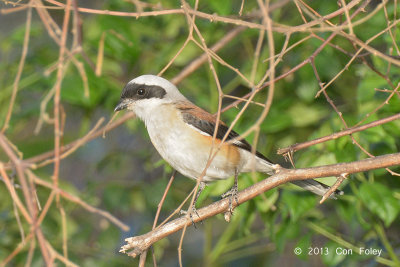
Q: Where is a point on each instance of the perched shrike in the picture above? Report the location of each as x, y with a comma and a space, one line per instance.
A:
183, 135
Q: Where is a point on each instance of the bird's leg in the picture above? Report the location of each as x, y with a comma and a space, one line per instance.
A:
232, 194
202, 185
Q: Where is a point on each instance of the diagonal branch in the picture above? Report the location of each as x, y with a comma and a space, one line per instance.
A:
136, 245
299, 146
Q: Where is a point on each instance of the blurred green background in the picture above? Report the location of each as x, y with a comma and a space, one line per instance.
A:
123, 174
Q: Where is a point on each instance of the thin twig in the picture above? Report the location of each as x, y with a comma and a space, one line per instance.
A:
299, 146
20, 68
333, 188
80, 202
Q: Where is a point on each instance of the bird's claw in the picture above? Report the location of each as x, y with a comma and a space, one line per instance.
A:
232, 194
193, 211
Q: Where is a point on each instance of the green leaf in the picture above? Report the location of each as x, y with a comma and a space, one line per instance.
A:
298, 205
304, 115
304, 243
333, 254
223, 7
271, 198
307, 90
345, 151
287, 230
367, 84
247, 209
380, 201
277, 121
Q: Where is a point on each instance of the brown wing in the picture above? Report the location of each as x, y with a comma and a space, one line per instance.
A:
205, 122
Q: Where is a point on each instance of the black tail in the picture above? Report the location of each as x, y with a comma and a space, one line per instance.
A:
316, 187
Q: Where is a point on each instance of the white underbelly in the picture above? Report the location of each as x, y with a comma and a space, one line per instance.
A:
174, 142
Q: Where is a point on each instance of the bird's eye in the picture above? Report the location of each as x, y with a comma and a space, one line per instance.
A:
141, 91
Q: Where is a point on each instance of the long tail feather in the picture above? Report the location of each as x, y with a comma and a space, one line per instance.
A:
316, 187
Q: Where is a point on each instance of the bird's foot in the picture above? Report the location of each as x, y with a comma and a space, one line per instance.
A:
232, 194
193, 211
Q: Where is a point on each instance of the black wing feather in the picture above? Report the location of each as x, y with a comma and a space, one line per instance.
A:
208, 127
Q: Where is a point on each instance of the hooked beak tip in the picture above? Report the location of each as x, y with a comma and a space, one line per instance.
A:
120, 106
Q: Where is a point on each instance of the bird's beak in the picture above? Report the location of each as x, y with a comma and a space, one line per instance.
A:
122, 104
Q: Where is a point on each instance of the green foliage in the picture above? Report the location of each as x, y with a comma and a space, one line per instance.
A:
380, 201
124, 175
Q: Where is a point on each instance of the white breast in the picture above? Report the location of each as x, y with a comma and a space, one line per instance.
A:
174, 140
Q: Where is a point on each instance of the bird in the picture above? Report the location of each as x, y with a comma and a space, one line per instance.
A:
183, 134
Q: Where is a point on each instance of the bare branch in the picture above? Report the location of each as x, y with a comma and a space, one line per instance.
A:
136, 245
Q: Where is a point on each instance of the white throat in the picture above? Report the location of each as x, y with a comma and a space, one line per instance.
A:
147, 109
